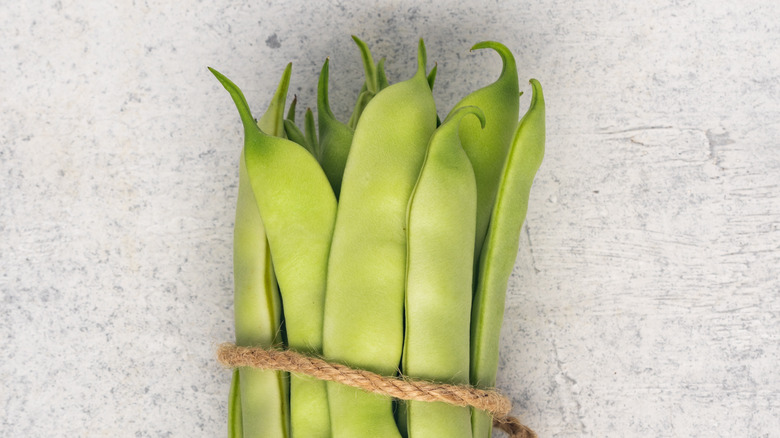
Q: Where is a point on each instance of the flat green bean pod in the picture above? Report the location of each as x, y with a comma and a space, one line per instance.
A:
440, 243
257, 304
487, 148
367, 266
500, 249
298, 209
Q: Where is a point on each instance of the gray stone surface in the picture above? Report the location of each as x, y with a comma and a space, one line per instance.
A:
645, 300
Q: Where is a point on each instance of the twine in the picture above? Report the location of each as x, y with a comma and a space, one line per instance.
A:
405, 388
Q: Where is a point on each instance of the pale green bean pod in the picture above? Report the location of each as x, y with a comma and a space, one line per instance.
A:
298, 209
500, 249
441, 223
258, 404
487, 148
367, 266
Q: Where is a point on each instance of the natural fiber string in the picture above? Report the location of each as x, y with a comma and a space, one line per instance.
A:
499, 406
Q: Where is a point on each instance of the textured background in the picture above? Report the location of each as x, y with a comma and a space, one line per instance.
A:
646, 295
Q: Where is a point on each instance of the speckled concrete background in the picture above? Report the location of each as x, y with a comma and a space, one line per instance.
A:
646, 296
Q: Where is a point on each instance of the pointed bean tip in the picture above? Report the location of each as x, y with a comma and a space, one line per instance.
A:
422, 56
220, 77
536, 92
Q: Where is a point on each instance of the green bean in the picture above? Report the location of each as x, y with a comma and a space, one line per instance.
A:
307, 140
376, 81
364, 97
372, 79
335, 137
431, 80
291, 111
487, 148
235, 427
440, 243
500, 249
366, 270
432, 76
382, 81
272, 121
257, 306
295, 135
298, 209
310, 132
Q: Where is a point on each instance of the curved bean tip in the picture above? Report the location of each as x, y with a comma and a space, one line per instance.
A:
506, 56
477, 111
495, 45
536, 92
462, 112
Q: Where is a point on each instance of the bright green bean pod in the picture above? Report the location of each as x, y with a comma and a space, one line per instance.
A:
367, 266
335, 137
440, 244
298, 209
487, 148
500, 249
261, 395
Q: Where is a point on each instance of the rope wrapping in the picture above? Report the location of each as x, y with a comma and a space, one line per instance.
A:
405, 388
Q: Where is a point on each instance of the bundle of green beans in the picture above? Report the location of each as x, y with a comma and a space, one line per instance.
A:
379, 243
